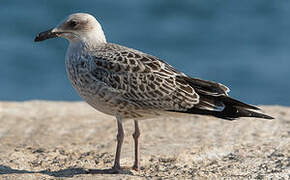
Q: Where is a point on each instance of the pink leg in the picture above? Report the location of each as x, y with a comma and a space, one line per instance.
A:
120, 138
136, 135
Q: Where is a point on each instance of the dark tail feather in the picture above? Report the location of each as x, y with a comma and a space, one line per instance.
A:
248, 113
229, 113
233, 102
233, 109
213, 100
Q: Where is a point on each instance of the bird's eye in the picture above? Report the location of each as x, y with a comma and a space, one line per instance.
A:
72, 23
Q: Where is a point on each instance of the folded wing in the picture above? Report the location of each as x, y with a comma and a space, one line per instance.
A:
147, 82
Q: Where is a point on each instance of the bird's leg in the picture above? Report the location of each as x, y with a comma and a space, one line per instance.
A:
120, 138
136, 135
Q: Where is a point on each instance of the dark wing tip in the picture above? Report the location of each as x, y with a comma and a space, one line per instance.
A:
267, 117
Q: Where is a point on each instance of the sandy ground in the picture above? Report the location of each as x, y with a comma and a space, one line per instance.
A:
70, 140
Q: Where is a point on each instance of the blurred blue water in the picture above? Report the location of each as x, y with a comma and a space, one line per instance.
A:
242, 44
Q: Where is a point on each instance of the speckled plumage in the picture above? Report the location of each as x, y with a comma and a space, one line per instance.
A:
127, 83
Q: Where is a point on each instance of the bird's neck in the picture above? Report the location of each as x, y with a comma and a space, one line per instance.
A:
83, 46
89, 40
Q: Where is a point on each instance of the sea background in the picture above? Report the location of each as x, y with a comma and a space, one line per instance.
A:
242, 44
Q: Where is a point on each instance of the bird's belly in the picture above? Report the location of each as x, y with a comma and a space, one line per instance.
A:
90, 89
100, 104
103, 98
96, 96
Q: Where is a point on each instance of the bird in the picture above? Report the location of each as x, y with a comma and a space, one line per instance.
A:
130, 84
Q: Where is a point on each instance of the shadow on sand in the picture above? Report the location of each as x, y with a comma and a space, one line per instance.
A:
69, 172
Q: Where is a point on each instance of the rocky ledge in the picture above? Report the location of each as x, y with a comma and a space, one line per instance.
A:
47, 140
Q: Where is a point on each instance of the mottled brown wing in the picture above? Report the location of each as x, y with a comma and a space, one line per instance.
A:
209, 92
142, 79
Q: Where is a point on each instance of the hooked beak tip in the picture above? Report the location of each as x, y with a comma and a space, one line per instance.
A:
37, 38
45, 35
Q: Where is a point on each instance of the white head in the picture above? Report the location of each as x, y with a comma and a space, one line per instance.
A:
78, 27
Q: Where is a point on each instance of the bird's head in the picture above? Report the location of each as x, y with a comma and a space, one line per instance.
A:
78, 27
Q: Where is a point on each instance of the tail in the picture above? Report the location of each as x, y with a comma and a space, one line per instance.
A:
232, 109
214, 101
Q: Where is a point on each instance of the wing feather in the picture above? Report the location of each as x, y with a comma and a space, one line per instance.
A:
142, 79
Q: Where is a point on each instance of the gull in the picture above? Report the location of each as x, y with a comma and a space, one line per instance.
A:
129, 84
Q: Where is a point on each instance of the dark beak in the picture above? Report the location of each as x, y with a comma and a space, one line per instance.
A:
46, 35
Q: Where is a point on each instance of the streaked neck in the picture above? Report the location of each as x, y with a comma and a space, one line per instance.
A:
89, 40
